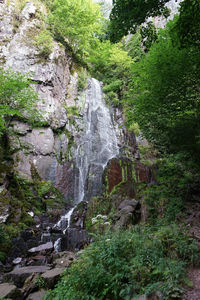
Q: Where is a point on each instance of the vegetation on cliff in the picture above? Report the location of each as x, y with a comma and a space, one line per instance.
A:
156, 83
17, 99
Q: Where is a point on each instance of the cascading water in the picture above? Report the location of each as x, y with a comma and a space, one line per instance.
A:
96, 146
98, 143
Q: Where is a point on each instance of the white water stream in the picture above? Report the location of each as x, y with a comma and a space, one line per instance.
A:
96, 146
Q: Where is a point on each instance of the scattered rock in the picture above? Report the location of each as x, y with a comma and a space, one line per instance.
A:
37, 295
17, 260
78, 215
19, 275
63, 259
133, 203
30, 285
43, 247
39, 260
76, 239
51, 277
8, 290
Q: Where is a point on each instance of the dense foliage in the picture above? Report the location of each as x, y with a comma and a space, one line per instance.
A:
75, 22
123, 264
188, 23
127, 15
17, 98
165, 98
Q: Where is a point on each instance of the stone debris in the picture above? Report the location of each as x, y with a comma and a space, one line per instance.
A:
43, 247
19, 275
37, 295
51, 277
8, 290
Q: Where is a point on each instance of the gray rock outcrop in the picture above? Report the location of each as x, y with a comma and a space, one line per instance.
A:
44, 148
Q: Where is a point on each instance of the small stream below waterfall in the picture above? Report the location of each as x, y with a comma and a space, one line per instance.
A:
96, 146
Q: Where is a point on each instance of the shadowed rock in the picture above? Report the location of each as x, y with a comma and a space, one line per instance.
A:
43, 247
37, 295
8, 290
19, 275
51, 277
125, 203
63, 259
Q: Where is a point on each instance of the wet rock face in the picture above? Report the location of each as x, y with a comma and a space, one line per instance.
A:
78, 216
143, 173
76, 239
117, 172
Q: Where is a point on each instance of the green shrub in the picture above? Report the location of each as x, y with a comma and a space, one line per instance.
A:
164, 97
82, 79
44, 43
124, 264
175, 174
114, 86
17, 99
40, 282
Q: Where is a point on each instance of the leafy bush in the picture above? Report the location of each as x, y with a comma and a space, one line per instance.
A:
82, 79
5, 242
121, 265
164, 95
75, 22
175, 176
44, 43
17, 98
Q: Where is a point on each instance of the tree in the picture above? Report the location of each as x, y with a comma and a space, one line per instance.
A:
126, 15
188, 24
77, 22
17, 98
165, 97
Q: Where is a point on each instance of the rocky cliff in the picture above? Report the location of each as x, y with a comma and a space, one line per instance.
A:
82, 148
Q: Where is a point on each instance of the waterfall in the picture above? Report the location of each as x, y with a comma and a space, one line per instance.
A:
96, 146
98, 143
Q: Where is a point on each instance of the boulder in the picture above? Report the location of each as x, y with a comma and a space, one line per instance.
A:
17, 260
133, 203
19, 275
37, 295
143, 297
124, 217
124, 221
30, 285
8, 290
43, 247
63, 259
78, 215
125, 211
76, 239
52, 276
